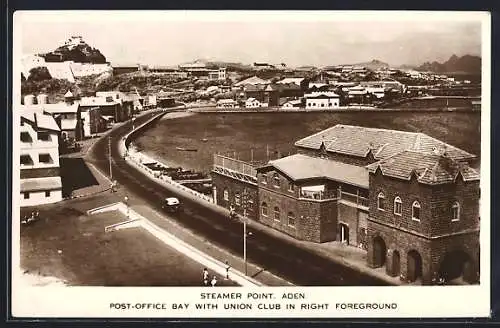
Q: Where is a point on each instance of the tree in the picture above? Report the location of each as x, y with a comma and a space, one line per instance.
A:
39, 74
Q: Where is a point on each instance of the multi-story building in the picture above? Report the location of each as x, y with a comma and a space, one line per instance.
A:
410, 200
39, 158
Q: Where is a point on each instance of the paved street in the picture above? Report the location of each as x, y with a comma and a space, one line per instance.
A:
300, 266
67, 244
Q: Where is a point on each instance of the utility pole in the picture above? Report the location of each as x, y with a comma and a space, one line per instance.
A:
109, 157
245, 239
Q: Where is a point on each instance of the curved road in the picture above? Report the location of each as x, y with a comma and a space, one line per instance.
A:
295, 264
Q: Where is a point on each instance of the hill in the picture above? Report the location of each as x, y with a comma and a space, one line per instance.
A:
373, 65
77, 50
466, 64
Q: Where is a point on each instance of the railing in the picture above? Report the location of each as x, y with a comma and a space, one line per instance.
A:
235, 165
319, 195
356, 199
137, 159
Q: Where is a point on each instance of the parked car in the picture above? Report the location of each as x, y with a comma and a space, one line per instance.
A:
171, 204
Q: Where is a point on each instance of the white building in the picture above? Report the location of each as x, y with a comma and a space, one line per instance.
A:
322, 100
40, 180
378, 92
252, 103
227, 103
292, 104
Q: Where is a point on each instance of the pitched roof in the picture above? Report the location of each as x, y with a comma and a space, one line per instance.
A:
68, 94
251, 99
38, 119
252, 80
359, 141
294, 80
428, 168
302, 167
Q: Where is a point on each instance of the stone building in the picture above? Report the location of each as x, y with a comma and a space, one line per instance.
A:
410, 200
424, 217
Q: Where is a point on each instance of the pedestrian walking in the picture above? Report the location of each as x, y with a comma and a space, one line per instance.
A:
214, 281
227, 270
205, 277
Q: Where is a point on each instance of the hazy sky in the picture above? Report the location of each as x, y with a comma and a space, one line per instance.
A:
316, 38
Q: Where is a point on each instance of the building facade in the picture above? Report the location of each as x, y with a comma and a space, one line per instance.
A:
39, 158
411, 201
322, 100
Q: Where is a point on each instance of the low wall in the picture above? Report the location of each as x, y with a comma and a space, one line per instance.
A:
137, 159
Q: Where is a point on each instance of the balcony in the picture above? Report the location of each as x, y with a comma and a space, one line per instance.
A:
235, 169
321, 195
357, 200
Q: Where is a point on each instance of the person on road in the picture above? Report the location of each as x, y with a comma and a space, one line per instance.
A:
205, 277
232, 213
227, 270
214, 281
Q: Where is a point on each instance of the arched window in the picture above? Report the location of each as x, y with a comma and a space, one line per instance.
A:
276, 179
277, 213
264, 209
381, 201
237, 199
226, 194
455, 212
415, 211
291, 219
264, 178
398, 206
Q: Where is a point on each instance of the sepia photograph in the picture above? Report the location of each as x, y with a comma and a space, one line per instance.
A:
250, 164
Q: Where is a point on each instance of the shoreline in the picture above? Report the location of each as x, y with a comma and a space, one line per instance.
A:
354, 109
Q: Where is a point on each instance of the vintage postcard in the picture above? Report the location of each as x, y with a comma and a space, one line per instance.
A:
251, 164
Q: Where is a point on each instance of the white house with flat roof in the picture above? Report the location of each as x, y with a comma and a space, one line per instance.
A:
322, 100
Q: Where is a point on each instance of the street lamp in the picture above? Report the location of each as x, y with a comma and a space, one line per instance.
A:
245, 233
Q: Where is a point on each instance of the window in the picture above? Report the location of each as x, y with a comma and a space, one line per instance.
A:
290, 186
26, 195
26, 160
291, 219
415, 211
276, 179
237, 200
47, 193
226, 194
455, 212
381, 201
398, 206
264, 178
43, 136
277, 213
264, 209
25, 137
44, 158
